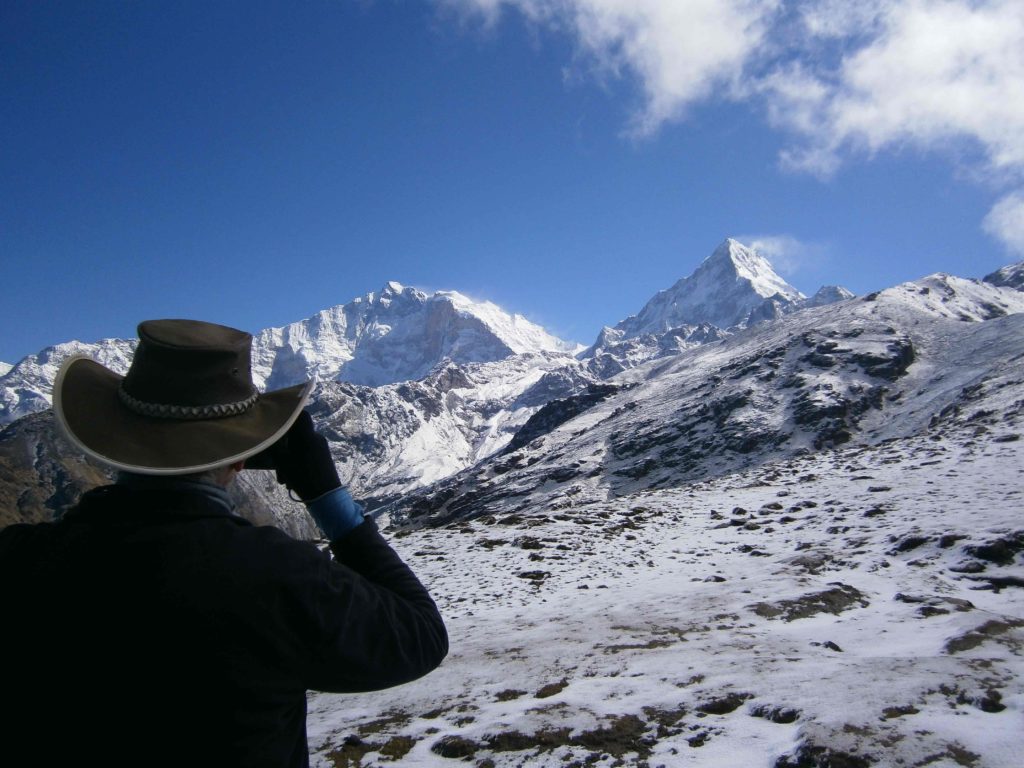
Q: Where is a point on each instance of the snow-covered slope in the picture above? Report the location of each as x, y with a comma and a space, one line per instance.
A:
891, 365
859, 607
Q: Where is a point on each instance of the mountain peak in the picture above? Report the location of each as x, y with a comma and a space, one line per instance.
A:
723, 291
749, 265
828, 294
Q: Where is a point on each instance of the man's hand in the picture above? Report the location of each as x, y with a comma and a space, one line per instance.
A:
305, 465
304, 462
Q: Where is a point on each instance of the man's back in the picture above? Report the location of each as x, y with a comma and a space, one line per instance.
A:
157, 628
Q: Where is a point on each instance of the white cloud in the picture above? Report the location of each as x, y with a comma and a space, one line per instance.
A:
1006, 222
679, 52
840, 18
907, 71
786, 253
936, 73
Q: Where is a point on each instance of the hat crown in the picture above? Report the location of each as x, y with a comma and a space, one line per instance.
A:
190, 363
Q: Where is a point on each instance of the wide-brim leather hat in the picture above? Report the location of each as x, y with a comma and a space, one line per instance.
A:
186, 405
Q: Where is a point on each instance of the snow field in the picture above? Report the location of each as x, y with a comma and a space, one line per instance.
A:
640, 631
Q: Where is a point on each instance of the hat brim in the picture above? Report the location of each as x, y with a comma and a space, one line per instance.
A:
88, 409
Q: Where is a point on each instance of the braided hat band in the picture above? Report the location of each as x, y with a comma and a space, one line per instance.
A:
186, 404
185, 412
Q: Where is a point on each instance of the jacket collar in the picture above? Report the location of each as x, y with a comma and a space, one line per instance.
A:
164, 483
126, 503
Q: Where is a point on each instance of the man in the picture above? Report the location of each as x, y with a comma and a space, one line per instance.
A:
152, 626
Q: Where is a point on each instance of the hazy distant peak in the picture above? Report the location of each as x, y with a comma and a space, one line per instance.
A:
829, 294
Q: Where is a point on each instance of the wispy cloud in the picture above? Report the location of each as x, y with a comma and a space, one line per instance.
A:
788, 254
1006, 222
840, 79
679, 53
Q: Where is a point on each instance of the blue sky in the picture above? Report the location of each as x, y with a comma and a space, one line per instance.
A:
252, 163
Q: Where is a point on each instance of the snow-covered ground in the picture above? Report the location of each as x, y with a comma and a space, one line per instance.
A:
850, 608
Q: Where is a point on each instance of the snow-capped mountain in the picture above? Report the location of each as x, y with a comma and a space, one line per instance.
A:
723, 291
398, 334
497, 384
733, 288
26, 388
411, 389
827, 294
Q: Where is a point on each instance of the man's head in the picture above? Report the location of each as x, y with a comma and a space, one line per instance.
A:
186, 405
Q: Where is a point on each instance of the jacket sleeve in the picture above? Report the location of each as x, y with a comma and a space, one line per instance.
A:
380, 625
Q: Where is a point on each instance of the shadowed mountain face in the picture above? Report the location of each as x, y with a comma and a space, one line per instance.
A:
494, 408
1010, 276
41, 476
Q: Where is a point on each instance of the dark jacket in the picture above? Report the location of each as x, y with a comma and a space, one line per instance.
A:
156, 628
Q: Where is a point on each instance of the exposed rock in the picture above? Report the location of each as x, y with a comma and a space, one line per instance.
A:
1001, 551
814, 756
842, 597
724, 704
557, 412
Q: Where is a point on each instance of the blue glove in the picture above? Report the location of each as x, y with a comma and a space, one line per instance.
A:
335, 513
